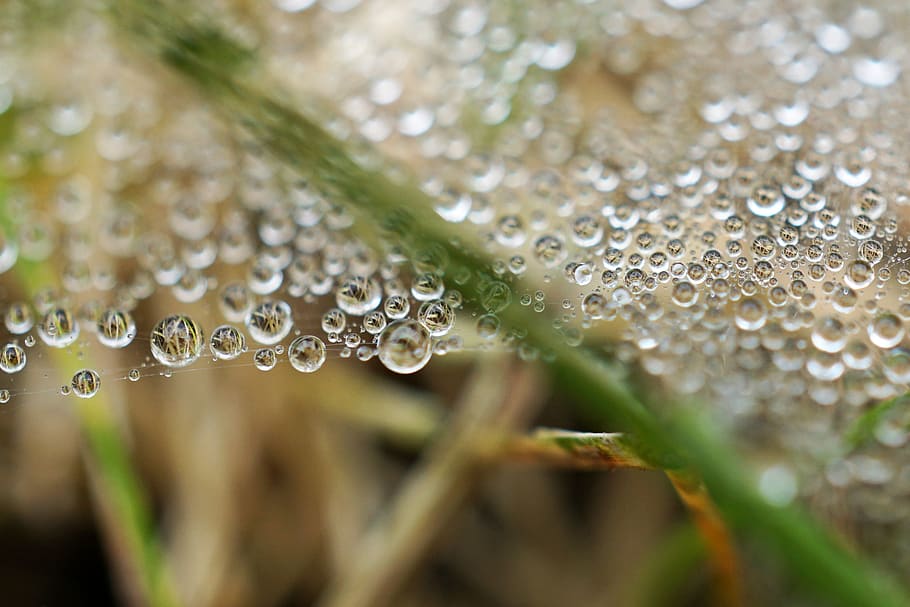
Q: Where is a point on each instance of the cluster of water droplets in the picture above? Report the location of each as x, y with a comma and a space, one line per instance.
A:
715, 192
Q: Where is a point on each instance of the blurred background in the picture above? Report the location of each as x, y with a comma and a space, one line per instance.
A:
264, 495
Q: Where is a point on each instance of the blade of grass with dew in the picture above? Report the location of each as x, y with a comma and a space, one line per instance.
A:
222, 69
121, 489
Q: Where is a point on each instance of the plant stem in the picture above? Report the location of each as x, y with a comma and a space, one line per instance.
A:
718, 540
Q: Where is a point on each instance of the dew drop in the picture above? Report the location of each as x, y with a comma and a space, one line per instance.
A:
227, 342
897, 366
58, 328
12, 358
307, 353
766, 201
829, 335
751, 314
265, 359
269, 322
334, 321
488, 326
18, 318
85, 383
357, 295
116, 328
405, 347
886, 331
235, 301
876, 72
177, 341
437, 316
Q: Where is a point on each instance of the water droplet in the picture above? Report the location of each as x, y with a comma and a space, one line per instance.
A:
374, 322
453, 206
405, 347
685, 294
766, 201
85, 383
778, 485
334, 321
12, 358
307, 353
751, 314
18, 318
549, 251
265, 359
227, 342
495, 296
357, 295
177, 341
437, 316
269, 322
397, 307
871, 251
859, 275
897, 365
829, 335
116, 328
427, 286
58, 328
235, 301
876, 72
886, 331
488, 326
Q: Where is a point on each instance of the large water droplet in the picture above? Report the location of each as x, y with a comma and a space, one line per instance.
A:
405, 347
269, 322
177, 341
307, 353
